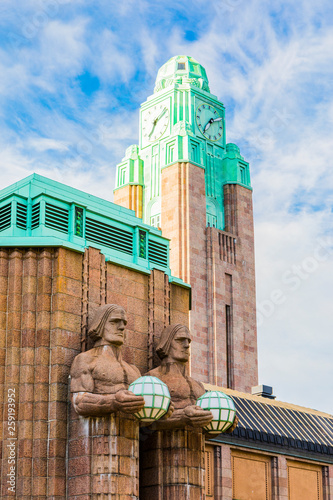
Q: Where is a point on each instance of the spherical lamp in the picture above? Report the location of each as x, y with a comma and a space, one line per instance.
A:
222, 408
156, 395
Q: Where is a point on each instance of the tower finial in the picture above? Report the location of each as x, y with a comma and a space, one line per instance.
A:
180, 70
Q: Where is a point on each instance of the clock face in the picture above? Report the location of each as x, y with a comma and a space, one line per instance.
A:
209, 121
154, 122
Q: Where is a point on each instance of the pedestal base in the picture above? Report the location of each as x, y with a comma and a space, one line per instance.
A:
172, 465
104, 458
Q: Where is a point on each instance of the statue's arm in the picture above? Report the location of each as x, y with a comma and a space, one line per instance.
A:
85, 402
89, 404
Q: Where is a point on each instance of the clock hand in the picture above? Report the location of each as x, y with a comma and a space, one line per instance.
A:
152, 129
212, 120
160, 115
156, 120
208, 124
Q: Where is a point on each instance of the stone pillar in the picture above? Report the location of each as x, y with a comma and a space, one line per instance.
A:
13, 271
239, 268
226, 472
104, 458
172, 465
183, 218
275, 478
217, 473
330, 482
131, 197
326, 492
283, 478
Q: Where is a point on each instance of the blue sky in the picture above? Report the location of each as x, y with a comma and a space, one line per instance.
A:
72, 79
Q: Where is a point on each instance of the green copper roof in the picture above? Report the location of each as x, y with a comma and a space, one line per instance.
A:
39, 212
181, 69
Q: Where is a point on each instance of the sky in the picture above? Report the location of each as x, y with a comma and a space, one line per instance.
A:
72, 78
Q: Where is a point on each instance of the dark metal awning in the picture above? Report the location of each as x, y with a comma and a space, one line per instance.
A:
279, 427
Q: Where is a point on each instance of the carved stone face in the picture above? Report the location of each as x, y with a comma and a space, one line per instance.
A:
180, 346
114, 327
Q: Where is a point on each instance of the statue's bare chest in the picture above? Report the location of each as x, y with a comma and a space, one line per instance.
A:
106, 371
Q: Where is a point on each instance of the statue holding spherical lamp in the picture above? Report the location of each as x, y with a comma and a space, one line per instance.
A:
173, 349
104, 424
100, 377
181, 438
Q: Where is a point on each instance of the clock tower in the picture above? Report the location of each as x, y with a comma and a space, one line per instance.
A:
185, 179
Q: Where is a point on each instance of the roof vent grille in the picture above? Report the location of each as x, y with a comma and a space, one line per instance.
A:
56, 218
21, 216
5, 216
35, 213
109, 236
158, 253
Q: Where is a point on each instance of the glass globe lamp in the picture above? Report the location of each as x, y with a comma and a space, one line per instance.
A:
156, 395
222, 408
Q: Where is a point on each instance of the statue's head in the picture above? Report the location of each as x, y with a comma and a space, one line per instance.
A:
174, 344
108, 323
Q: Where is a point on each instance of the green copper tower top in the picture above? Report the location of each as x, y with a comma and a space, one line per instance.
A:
182, 122
180, 70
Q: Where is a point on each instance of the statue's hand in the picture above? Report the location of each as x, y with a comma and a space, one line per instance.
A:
128, 402
170, 411
233, 427
161, 421
197, 417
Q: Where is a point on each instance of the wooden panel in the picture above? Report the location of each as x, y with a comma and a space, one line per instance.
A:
304, 481
209, 471
251, 476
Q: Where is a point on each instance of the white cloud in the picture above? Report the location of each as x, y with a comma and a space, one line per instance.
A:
63, 47
113, 62
44, 144
13, 165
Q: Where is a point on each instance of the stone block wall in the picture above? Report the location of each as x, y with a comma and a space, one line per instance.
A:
41, 325
231, 282
239, 222
233, 356
183, 220
46, 298
172, 465
219, 265
103, 457
130, 196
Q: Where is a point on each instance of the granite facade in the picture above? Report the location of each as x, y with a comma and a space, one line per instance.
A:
46, 297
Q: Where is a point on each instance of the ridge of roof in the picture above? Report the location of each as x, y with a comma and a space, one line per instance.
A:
272, 402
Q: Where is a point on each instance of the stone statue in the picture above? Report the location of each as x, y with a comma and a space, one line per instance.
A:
99, 377
173, 350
